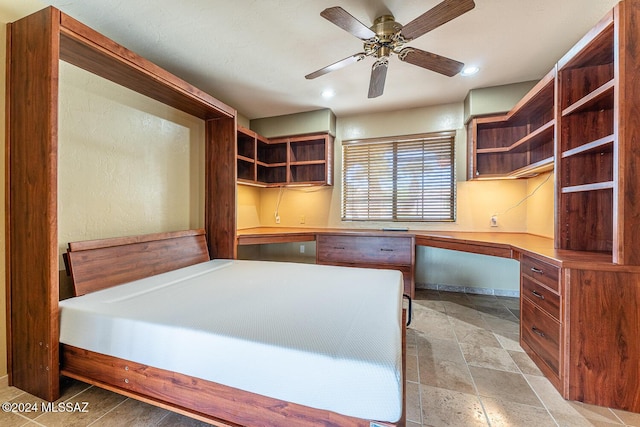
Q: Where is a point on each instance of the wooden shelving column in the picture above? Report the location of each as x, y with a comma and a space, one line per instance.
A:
36, 44
593, 158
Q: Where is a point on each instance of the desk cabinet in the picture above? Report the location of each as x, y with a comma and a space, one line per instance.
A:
541, 325
396, 252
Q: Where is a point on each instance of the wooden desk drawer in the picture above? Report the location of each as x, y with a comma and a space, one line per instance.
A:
541, 296
364, 249
541, 333
541, 271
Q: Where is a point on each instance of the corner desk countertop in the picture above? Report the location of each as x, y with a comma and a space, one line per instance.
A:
506, 245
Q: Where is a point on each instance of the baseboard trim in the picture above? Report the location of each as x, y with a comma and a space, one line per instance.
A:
469, 290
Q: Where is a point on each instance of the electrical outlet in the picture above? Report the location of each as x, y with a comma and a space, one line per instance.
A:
301, 249
302, 219
494, 220
277, 219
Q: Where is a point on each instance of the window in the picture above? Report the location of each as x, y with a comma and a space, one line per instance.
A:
408, 178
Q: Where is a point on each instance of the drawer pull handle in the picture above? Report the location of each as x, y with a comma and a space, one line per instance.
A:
338, 247
536, 293
537, 270
538, 331
386, 250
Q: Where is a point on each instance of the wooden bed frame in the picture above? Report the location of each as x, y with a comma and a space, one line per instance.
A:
35, 45
101, 264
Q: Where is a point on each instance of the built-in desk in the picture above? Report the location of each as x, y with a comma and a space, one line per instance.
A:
580, 313
506, 245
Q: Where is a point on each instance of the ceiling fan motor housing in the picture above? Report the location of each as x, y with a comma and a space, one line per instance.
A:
386, 40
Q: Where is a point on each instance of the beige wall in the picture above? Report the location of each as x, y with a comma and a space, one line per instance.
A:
127, 164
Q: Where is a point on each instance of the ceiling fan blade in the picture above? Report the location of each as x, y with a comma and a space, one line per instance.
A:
436, 16
378, 76
431, 61
347, 22
336, 66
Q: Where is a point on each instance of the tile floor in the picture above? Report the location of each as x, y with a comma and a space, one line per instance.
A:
464, 368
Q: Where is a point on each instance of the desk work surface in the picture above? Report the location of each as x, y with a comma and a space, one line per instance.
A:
506, 245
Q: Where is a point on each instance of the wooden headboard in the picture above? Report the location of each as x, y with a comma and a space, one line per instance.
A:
100, 264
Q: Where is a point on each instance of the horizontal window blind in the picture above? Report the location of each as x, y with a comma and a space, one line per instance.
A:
409, 178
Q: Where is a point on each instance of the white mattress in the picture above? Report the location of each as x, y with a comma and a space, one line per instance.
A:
321, 336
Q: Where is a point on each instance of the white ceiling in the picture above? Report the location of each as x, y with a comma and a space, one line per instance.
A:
254, 54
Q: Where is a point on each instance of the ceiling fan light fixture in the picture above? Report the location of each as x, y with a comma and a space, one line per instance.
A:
469, 71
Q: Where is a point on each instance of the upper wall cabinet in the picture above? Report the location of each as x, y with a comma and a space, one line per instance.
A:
519, 143
296, 160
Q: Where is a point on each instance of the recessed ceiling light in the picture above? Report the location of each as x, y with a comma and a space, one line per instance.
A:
328, 93
469, 71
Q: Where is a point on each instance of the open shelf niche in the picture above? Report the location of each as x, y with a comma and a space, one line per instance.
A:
518, 143
291, 160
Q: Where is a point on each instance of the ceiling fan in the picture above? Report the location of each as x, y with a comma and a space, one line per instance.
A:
386, 37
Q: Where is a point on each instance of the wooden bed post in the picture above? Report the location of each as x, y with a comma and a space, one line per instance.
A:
32, 208
220, 187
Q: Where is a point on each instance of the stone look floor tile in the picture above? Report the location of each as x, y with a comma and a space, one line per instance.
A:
99, 403
442, 407
497, 324
413, 407
511, 414
432, 324
412, 369
441, 364
477, 337
524, 362
10, 393
176, 420
132, 413
472, 322
509, 340
595, 413
629, 418
550, 397
9, 419
507, 386
489, 357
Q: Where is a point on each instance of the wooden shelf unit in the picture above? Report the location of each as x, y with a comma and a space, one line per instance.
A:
295, 160
519, 143
588, 144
